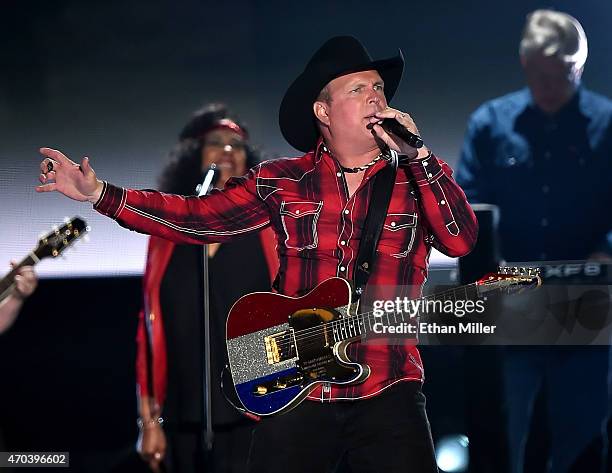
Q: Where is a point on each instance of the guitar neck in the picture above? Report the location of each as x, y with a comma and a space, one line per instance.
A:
363, 324
6, 283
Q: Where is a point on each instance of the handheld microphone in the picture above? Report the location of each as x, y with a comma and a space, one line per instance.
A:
210, 177
393, 126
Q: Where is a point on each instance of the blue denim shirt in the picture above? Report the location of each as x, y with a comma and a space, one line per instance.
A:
551, 176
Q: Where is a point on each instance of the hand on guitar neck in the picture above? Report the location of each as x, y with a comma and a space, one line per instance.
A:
24, 284
21, 281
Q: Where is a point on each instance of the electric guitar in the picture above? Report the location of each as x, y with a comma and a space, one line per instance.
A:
50, 245
280, 348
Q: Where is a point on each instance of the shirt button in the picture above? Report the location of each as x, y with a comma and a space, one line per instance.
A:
442, 202
343, 242
425, 163
545, 189
393, 224
346, 211
339, 174
511, 161
544, 222
342, 268
297, 211
429, 175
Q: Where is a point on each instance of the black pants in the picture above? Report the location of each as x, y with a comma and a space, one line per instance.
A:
389, 432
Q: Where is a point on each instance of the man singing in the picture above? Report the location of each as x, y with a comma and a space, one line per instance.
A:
316, 205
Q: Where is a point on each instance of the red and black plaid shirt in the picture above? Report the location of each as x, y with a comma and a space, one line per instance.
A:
318, 229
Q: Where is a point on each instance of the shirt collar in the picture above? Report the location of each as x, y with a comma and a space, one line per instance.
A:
322, 153
570, 109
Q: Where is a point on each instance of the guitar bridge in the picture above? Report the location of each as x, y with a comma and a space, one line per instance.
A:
280, 347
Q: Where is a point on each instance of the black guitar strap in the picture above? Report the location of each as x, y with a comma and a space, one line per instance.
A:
384, 182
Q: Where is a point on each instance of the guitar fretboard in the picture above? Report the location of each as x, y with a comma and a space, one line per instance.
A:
363, 324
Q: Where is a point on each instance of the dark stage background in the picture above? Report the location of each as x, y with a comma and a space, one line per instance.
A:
116, 80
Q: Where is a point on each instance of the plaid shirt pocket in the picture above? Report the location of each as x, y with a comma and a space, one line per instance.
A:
299, 221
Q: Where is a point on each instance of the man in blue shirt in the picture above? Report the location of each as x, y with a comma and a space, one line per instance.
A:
543, 155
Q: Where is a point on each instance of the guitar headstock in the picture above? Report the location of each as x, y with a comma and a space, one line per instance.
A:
510, 279
56, 241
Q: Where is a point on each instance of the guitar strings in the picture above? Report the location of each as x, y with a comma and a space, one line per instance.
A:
312, 332
318, 331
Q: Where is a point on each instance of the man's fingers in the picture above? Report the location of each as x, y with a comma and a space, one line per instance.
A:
47, 165
28, 273
20, 284
382, 134
85, 166
388, 113
48, 177
46, 187
56, 155
23, 286
402, 117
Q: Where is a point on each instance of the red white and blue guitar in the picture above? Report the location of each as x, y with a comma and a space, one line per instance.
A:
280, 348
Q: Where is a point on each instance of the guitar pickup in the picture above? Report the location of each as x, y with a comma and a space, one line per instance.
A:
272, 350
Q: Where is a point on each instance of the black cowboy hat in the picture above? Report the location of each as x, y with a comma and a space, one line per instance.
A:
338, 56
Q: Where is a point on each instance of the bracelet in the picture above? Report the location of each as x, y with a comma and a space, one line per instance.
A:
144, 423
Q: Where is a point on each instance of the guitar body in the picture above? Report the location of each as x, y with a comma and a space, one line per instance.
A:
280, 348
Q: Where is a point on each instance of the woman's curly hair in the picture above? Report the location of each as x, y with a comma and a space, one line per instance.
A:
184, 171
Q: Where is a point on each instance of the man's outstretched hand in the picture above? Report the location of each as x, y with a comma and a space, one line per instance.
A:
58, 173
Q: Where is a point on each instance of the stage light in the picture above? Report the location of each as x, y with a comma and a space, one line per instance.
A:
452, 454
